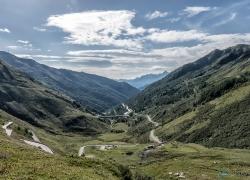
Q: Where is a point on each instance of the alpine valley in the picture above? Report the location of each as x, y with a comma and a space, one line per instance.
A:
193, 123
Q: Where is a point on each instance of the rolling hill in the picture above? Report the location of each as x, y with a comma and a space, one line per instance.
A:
29, 100
206, 102
94, 92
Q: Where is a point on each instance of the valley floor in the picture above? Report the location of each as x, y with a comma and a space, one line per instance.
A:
112, 156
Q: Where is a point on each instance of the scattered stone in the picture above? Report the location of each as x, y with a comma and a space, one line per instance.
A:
181, 175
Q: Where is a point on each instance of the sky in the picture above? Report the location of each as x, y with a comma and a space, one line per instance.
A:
121, 39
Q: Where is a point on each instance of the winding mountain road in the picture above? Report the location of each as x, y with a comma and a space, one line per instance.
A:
34, 137
7, 129
38, 145
127, 108
152, 136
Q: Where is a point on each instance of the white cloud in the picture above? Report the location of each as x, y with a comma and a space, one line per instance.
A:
23, 42
13, 47
173, 20
99, 28
166, 36
5, 30
39, 56
122, 63
127, 64
183, 55
191, 11
227, 20
39, 29
156, 14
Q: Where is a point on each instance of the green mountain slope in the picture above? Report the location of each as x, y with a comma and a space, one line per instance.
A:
21, 161
32, 102
205, 102
92, 91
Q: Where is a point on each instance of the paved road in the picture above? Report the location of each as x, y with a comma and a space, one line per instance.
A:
127, 108
34, 137
101, 147
7, 129
38, 145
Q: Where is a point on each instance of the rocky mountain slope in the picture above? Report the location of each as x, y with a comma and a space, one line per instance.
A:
207, 101
95, 92
25, 98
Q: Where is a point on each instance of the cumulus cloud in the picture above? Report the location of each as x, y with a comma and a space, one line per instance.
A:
191, 11
122, 63
184, 54
99, 28
4, 30
156, 14
130, 50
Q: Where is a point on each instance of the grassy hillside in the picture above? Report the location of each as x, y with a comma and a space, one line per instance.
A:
194, 161
23, 97
205, 102
92, 91
20, 161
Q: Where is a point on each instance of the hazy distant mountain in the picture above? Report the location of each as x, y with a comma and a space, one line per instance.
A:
204, 102
145, 80
95, 92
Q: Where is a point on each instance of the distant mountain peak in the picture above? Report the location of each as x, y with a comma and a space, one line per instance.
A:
145, 80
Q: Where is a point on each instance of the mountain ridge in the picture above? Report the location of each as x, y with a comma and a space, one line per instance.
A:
145, 80
30, 101
190, 101
92, 91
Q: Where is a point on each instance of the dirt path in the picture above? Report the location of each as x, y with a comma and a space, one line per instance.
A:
156, 124
152, 136
7, 129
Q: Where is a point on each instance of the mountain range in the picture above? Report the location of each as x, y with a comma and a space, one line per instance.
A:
143, 81
94, 92
205, 102
195, 118
31, 101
